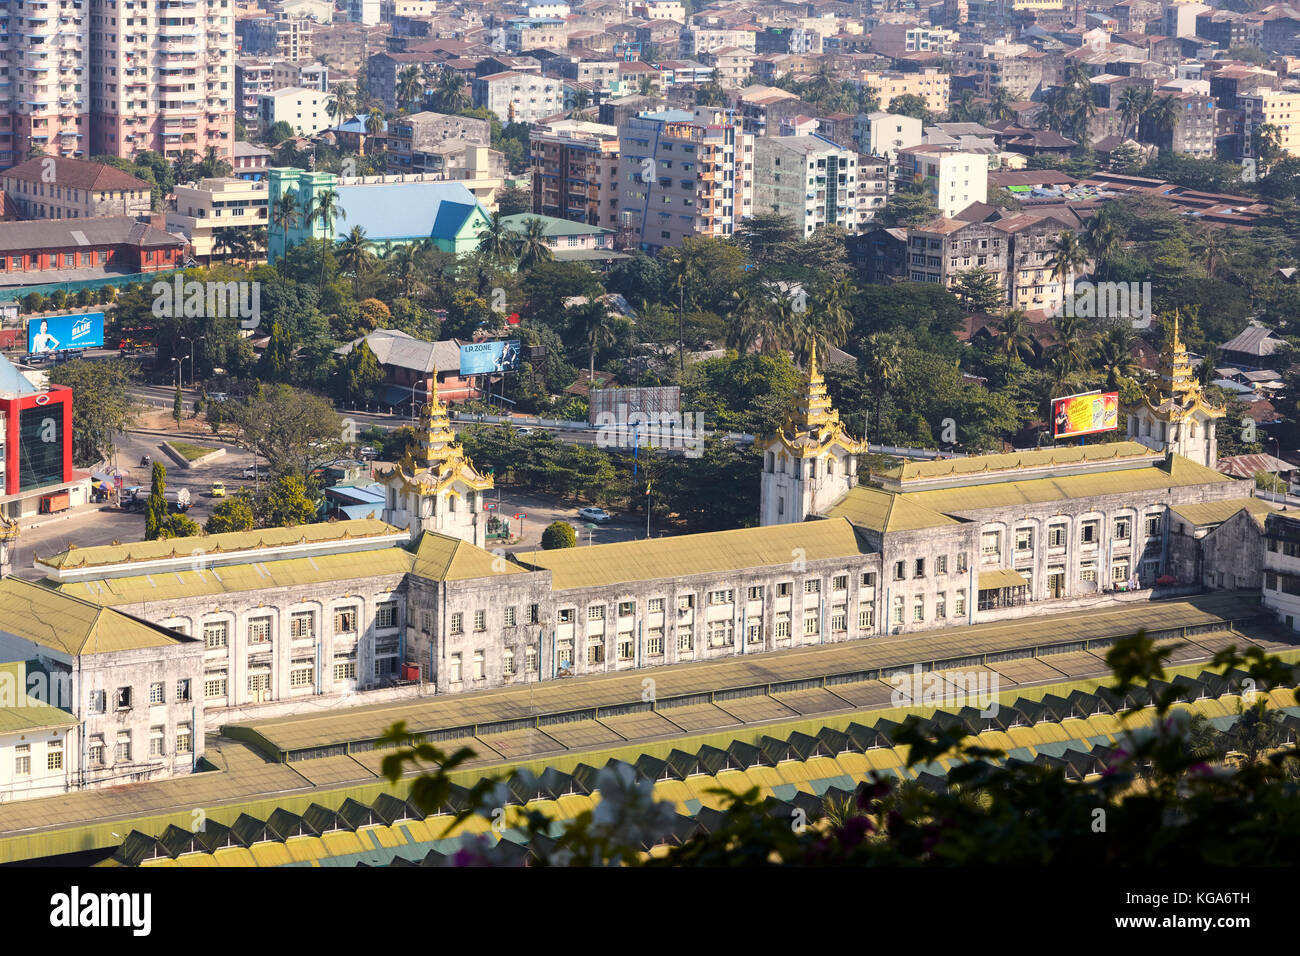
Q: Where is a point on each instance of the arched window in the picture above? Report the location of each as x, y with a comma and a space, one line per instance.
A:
770, 464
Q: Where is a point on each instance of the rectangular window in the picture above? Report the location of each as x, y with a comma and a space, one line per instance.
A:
625, 647
98, 701
1024, 539
345, 670
1152, 525
783, 624
123, 752
426, 621
721, 597
685, 639
990, 543
1088, 532
184, 740
259, 630
155, 741
919, 570
626, 608
962, 566
756, 593
783, 589
183, 690
1123, 528
479, 665
22, 760
530, 660
654, 644
302, 675
345, 620
508, 617
302, 625
508, 662
453, 670
685, 602
156, 693
596, 612
480, 620
900, 570
259, 682
214, 684
1119, 572
866, 618
386, 614
1056, 536
840, 582
216, 634
940, 606
54, 755
96, 751
918, 609
654, 605
839, 618
754, 632
458, 622
534, 614
941, 564
566, 615
722, 634
959, 604
868, 579
122, 699
898, 609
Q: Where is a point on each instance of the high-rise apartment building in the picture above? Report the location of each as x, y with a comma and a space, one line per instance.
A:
161, 75
811, 179
44, 106
684, 174
575, 171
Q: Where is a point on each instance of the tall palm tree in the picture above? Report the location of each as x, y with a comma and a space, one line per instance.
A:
1162, 117
343, 103
213, 166
532, 245
410, 85
325, 209
1000, 105
1015, 340
825, 326
225, 239
1134, 103
1210, 246
1068, 259
593, 325
1072, 353
1103, 240
354, 255
881, 364
374, 125
256, 240
450, 92
1115, 354
403, 264
286, 215
497, 241
185, 169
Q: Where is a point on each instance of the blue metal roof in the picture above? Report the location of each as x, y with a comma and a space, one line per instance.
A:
12, 381
405, 210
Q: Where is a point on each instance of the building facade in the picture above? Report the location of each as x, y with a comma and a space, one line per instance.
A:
808, 178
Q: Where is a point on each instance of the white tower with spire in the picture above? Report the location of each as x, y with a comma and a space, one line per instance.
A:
811, 462
439, 489
1175, 415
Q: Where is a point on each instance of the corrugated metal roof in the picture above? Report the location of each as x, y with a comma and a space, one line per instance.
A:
988, 464
878, 510
441, 558
77, 627
717, 551
1001, 578
210, 544
1216, 512
234, 578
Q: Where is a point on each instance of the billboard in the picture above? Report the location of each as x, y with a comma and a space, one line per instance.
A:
1085, 414
60, 333
484, 358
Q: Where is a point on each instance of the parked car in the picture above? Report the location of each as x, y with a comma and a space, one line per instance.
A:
250, 471
368, 452
598, 515
218, 489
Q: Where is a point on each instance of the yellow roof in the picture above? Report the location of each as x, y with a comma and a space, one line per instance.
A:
441, 558
1216, 512
1001, 578
162, 549
74, 626
602, 564
869, 507
234, 578
985, 464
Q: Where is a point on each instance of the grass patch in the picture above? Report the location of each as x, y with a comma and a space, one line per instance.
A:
190, 451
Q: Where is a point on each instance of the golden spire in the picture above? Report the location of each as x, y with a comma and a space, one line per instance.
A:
437, 437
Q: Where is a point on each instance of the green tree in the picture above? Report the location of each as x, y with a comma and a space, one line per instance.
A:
910, 104
155, 508
178, 405
286, 503
979, 290
362, 373
293, 429
909, 206
233, 514
102, 409
559, 534
532, 244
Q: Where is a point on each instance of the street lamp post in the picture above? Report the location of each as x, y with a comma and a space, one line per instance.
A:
590, 528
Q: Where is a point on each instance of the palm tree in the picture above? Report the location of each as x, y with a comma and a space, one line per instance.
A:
374, 125
1162, 117
403, 264
410, 85
226, 238
256, 240
213, 166
285, 215
532, 245
1000, 105
354, 255
185, 168
1015, 339
881, 365
325, 210
450, 93
593, 325
1115, 354
825, 327
1134, 103
1103, 240
497, 241
1068, 259
1072, 353
1209, 246
344, 102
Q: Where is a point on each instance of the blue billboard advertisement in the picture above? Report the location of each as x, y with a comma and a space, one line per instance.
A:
485, 358
59, 333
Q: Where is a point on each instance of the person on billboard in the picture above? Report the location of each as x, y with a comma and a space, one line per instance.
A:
509, 357
42, 341
1062, 419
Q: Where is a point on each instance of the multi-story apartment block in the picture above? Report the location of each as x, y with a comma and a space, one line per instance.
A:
1193, 130
884, 134
250, 162
306, 111
519, 97
43, 92
55, 188
163, 79
811, 179
658, 10
873, 189
1279, 108
696, 41
409, 136
576, 171
684, 174
536, 33
383, 71
895, 39
252, 79
732, 65
200, 211
1015, 67
954, 179
930, 84
1228, 29
763, 108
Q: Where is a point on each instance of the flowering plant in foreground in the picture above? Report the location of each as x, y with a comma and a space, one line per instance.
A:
1175, 792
